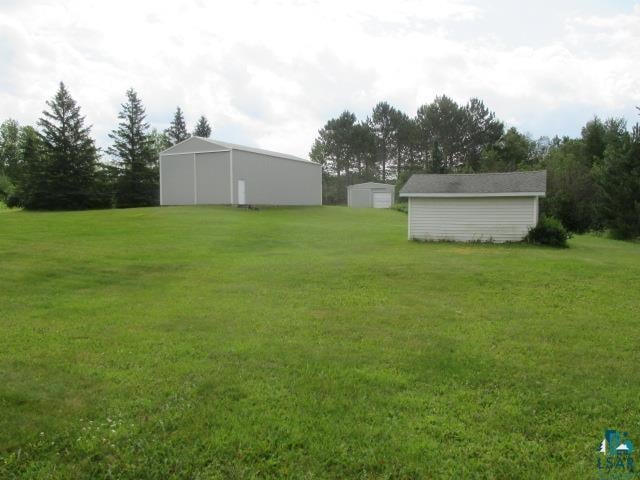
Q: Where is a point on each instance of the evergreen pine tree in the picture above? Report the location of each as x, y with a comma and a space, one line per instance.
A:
137, 182
203, 129
381, 125
70, 155
177, 131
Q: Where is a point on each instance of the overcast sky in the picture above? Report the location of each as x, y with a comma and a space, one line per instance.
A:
271, 73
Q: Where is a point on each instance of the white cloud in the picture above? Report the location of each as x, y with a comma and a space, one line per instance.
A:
271, 73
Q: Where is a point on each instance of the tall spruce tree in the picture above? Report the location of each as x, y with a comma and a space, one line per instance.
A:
203, 128
177, 131
137, 183
70, 155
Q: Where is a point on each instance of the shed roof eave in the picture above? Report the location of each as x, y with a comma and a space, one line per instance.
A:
370, 185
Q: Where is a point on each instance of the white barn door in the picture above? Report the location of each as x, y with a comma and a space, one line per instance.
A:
382, 200
242, 195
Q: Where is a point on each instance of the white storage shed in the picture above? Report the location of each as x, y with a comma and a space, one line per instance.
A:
485, 207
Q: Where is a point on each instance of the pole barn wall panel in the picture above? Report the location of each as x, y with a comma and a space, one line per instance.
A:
212, 178
271, 180
177, 185
497, 219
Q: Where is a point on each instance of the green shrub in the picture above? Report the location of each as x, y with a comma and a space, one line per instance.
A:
6, 187
13, 200
548, 231
401, 207
8, 192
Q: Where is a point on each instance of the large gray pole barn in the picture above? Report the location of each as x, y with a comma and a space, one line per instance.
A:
199, 171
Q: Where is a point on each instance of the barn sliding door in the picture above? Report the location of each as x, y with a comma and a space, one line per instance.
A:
177, 184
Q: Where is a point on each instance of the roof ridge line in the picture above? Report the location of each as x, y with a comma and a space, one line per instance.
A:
245, 148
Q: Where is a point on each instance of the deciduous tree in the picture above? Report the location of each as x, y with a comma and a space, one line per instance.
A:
9, 154
33, 188
619, 182
512, 151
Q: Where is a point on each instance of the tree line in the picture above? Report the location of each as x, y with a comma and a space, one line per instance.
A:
593, 180
56, 165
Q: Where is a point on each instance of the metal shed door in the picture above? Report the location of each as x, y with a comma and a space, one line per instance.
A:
241, 193
381, 200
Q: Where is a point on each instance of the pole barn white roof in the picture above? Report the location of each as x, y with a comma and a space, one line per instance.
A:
218, 145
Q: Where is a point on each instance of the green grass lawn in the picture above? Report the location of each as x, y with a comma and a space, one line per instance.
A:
306, 343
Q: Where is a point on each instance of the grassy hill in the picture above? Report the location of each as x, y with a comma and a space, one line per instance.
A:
306, 343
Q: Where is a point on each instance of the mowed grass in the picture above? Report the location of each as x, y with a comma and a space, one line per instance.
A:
306, 343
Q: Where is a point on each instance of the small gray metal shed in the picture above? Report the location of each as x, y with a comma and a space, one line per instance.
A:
199, 171
370, 195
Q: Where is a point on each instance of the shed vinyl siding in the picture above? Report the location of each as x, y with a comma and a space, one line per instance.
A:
497, 219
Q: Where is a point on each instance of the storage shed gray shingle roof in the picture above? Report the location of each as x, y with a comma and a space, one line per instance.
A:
481, 183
